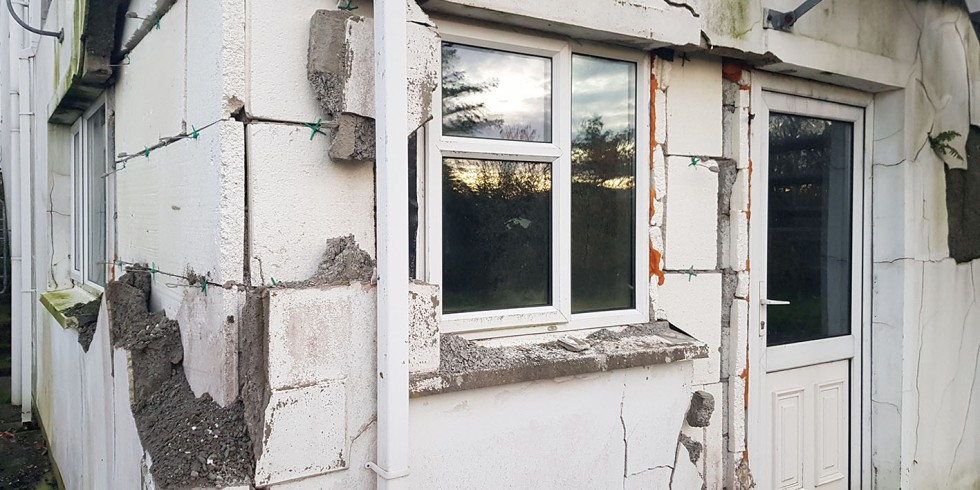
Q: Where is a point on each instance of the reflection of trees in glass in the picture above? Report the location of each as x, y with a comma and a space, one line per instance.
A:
809, 225
603, 169
461, 116
496, 234
599, 155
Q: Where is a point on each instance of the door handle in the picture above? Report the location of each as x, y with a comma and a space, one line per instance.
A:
773, 302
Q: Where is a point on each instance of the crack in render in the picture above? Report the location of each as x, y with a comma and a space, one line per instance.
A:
973, 383
683, 6
364, 428
626, 444
918, 368
912, 259
652, 468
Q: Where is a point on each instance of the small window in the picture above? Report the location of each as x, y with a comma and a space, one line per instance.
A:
90, 164
529, 212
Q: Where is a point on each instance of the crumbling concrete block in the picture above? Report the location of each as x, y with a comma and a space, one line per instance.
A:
423, 311
702, 406
341, 71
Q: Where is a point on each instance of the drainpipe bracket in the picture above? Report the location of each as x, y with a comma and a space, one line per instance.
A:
384, 474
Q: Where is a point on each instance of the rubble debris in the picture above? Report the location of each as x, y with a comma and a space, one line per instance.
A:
343, 263
192, 442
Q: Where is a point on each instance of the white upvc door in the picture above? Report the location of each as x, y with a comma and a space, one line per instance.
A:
808, 258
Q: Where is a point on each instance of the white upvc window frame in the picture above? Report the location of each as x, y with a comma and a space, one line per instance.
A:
557, 316
81, 200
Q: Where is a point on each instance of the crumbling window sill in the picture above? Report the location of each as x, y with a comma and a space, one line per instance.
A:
59, 302
466, 365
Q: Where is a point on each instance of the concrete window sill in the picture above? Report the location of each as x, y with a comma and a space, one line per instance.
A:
467, 365
57, 302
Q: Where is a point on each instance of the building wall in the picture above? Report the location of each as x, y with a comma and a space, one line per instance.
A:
255, 198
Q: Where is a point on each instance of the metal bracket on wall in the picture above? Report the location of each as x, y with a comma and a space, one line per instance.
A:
784, 21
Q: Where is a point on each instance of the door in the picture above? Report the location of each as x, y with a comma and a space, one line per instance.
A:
806, 281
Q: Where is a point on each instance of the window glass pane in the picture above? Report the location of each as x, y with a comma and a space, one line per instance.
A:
76, 155
496, 234
603, 184
95, 139
809, 255
487, 93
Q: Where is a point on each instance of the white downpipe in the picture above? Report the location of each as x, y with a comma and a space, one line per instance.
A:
391, 107
15, 189
25, 70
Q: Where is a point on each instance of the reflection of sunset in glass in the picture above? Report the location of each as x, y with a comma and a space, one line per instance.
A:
480, 175
495, 94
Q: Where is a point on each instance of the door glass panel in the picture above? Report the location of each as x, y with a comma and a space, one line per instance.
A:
493, 94
496, 234
809, 249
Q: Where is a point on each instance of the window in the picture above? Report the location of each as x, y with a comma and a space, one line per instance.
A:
90, 163
532, 215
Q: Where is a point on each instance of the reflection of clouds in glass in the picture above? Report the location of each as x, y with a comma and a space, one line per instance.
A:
604, 88
517, 90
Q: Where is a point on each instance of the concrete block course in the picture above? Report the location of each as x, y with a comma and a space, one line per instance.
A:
310, 333
305, 433
691, 215
694, 108
693, 304
298, 199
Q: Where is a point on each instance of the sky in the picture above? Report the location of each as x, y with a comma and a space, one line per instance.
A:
521, 89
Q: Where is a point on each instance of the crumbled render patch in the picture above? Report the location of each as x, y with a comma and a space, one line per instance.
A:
84, 317
343, 263
694, 448
193, 442
963, 203
743, 475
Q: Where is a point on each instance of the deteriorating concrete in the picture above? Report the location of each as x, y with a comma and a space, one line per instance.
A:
469, 365
702, 405
340, 69
694, 448
353, 139
328, 64
84, 317
253, 374
192, 442
152, 338
343, 262
963, 203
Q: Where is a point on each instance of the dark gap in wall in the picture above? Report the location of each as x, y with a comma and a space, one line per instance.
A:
413, 204
963, 203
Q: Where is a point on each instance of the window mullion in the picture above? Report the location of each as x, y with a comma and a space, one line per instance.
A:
84, 203
561, 125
